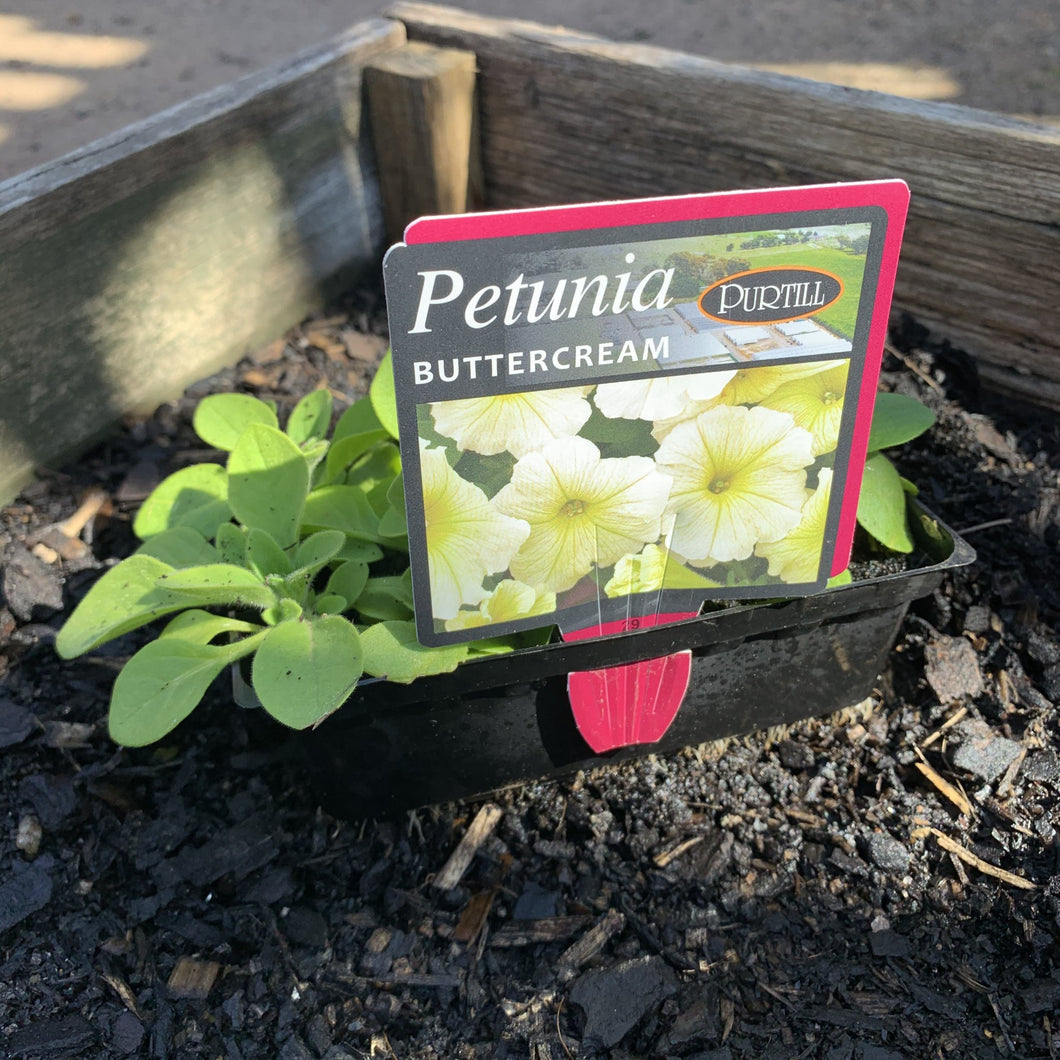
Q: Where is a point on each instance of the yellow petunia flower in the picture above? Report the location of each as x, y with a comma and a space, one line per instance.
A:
659, 397
797, 557
652, 569
739, 477
753, 385
467, 538
816, 403
583, 511
514, 423
511, 600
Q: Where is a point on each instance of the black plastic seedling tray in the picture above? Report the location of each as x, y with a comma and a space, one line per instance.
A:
506, 720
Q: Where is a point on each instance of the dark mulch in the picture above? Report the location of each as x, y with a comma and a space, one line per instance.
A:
816, 892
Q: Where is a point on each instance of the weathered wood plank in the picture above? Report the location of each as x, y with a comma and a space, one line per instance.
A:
568, 117
148, 259
421, 100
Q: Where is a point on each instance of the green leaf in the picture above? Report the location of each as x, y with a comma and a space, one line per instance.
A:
304, 670
394, 521
897, 419
881, 508
343, 508
219, 583
378, 605
400, 585
162, 684
220, 419
318, 549
180, 547
200, 627
392, 652
382, 396
385, 598
311, 417
345, 452
126, 597
395, 496
329, 604
393, 524
313, 453
910, 487
361, 551
491, 646
842, 578
359, 418
287, 610
264, 556
267, 482
348, 580
375, 474
231, 542
195, 496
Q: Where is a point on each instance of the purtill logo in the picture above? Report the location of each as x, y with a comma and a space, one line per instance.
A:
770, 296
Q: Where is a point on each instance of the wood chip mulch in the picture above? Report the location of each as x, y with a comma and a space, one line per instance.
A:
875, 885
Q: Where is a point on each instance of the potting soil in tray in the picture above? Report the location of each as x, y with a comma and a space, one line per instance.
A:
820, 891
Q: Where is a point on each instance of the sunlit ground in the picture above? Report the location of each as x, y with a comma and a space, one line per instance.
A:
914, 82
36, 65
53, 79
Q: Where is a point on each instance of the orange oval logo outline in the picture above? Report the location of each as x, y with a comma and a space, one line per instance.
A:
766, 269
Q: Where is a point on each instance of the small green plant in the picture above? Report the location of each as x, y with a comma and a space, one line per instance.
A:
882, 510
294, 552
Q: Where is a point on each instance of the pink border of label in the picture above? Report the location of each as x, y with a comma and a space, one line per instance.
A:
890, 195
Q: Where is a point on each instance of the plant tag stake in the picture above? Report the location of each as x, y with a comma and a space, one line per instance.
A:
610, 413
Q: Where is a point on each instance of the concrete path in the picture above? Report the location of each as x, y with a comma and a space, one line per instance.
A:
73, 70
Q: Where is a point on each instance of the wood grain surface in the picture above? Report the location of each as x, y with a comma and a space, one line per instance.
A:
144, 261
570, 117
421, 100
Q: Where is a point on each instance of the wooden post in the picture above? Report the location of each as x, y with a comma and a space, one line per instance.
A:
421, 103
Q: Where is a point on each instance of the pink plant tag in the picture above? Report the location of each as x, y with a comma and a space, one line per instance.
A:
631, 704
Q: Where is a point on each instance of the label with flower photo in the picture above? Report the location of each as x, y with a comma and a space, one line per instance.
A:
627, 409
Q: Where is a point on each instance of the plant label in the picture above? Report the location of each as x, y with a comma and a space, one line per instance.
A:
615, 411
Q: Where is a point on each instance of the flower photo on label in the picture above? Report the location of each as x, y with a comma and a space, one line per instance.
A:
583, 511
739, 477
467, 537
815, 402
509, 601
605, 503
797, 557
658, 397
514, 423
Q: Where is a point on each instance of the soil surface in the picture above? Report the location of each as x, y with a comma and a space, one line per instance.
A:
71, 72
879, 884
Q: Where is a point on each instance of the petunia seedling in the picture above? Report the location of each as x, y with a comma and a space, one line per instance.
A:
291, 554
882, 510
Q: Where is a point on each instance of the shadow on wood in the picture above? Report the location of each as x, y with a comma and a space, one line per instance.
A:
145, 261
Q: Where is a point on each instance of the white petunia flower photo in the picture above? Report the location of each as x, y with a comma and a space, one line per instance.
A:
513, 423
468, 539
659, 397
739, 478
584, 511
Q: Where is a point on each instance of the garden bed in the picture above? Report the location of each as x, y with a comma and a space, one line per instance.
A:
880, 883
802, 891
